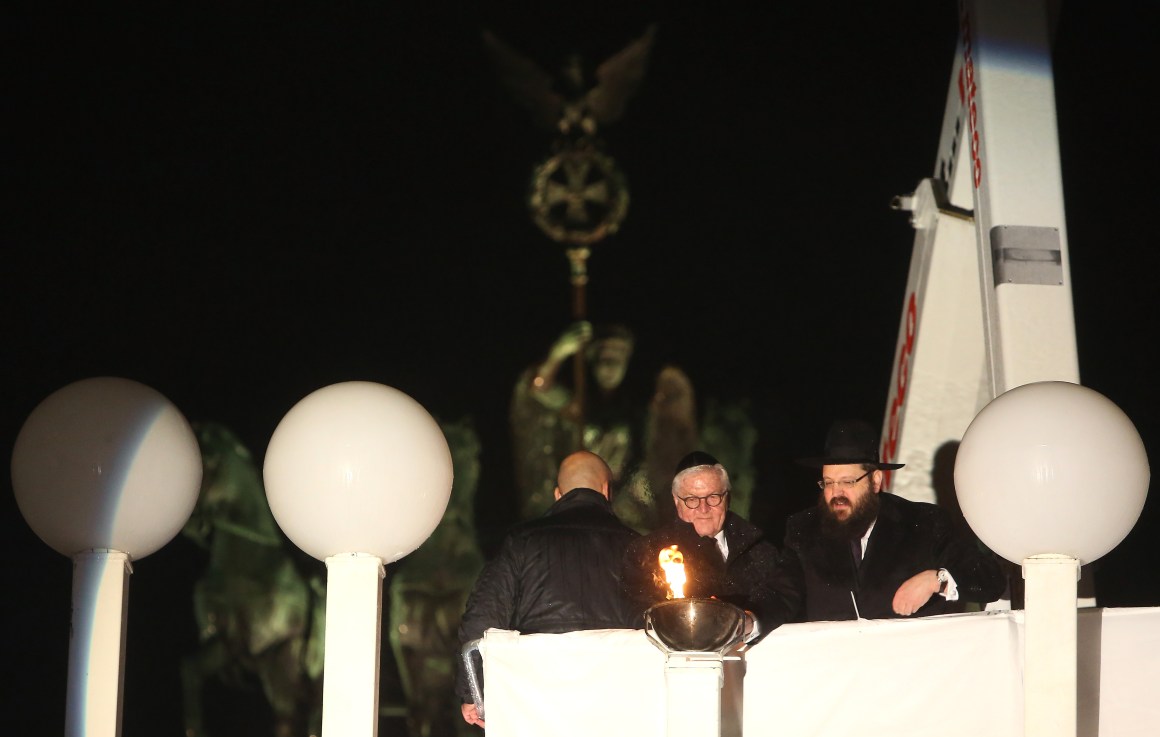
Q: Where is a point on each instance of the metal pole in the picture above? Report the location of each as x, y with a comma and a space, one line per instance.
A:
578, 260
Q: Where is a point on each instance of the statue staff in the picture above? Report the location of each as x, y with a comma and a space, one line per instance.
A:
578, 258
578, 194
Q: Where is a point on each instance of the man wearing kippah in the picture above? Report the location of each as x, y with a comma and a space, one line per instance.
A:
860, 553
725, 556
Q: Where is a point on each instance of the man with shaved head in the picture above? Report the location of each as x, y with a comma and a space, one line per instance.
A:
558, 573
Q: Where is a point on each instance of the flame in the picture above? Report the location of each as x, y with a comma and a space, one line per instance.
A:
672, 562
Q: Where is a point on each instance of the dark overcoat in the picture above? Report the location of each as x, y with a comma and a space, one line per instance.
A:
908, 537
747, 579
558, 573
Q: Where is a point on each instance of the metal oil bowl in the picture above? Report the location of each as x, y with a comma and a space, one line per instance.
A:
695, 625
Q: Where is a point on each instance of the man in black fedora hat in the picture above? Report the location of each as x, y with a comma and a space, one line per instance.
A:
724, 555
862, 554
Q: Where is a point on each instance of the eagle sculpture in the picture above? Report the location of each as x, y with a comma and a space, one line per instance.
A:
571, 103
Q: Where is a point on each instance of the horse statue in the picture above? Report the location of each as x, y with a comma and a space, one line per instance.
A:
259, 609
428, 591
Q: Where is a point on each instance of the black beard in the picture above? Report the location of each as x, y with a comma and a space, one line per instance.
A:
855, 525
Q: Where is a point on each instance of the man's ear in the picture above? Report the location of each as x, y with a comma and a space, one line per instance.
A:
876, 479
558, 494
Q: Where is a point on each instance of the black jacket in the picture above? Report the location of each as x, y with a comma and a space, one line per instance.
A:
747, 579
558, 573
908, 537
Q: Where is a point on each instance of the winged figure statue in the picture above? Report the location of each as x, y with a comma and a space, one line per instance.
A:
570, 102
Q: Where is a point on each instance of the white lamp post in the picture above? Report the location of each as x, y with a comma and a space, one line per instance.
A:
1051, 475
357, 475
105, 471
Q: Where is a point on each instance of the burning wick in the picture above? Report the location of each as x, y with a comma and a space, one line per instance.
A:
672, 563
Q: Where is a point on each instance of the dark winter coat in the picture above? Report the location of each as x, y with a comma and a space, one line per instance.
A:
747, 579
557, 573
908, 537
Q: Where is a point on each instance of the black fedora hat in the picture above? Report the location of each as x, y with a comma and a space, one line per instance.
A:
850, 441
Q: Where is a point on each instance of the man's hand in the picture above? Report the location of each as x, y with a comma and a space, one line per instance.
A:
471, 714
915, 591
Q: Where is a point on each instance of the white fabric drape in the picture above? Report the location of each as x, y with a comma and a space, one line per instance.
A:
898, 677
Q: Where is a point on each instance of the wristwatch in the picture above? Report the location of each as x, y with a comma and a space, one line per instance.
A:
943, 579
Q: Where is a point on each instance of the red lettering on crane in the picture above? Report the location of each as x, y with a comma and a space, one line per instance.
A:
898, 391
967, 91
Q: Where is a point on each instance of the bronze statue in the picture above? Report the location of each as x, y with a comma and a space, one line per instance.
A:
728, 434
579, 197
570, 103
641, 440
256, 611
578, 194
428, 591
260, 608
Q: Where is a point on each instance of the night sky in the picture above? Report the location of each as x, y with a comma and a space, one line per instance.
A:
240, 204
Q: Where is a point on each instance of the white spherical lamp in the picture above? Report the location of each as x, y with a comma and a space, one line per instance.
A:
358, 467
1051, 468
106, 463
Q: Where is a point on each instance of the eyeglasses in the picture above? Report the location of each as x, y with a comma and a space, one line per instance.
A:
713, 500
841, 485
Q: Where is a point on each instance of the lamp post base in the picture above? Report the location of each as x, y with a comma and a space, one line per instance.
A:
693, 694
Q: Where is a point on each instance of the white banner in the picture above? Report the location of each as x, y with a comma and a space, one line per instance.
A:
958, 674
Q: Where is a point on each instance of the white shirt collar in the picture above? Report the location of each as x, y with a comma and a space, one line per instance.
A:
866, 537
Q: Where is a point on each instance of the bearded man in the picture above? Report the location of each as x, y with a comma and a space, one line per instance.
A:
862, 554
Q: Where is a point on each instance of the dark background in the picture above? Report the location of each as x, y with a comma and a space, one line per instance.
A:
240, 203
